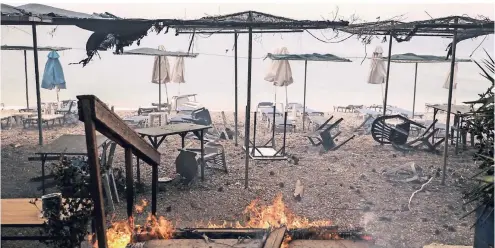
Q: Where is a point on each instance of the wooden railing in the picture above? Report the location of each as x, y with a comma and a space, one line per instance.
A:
98, 117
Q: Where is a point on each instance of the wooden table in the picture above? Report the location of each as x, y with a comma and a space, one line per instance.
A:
156, 136
459, 112
21, 213
67, 145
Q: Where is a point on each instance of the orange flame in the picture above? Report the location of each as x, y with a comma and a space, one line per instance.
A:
275, 215
140, 208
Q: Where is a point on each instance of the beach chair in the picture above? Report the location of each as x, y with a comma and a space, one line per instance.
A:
279, 123
323, 136
6, 121
422, 141
68, 112
388, 133
137, 121
320, 122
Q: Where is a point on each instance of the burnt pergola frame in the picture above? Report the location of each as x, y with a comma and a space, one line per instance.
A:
458, 28
250, 22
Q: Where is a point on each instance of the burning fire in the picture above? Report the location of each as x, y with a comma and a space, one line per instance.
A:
275, 215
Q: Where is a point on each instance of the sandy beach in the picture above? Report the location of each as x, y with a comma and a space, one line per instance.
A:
349, 187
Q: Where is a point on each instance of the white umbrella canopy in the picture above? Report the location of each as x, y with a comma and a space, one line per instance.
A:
161, 69
178, 72
280, 73
378, 69
161, 74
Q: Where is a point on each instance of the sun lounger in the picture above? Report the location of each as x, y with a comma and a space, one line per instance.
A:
45, 119
279, 122
299, 109
137, 121
348, 108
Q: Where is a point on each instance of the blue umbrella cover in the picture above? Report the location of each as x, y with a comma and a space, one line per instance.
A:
53, 77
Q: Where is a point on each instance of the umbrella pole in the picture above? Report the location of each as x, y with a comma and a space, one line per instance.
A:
26, 76
304, 99
160, 83
37, 75
449, 104
248, 106
414, 95
286, 99
235, 89
388, 74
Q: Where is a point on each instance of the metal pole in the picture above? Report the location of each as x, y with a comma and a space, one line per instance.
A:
304, 101
248, 105
159, 83
26, 76
388, 74
414, 95
37, 78
449, 104
235, 90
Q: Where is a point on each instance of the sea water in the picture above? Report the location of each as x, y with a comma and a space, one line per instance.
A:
124, 81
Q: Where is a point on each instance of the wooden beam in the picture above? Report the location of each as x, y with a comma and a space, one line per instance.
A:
111, 125
276, 238
94, 163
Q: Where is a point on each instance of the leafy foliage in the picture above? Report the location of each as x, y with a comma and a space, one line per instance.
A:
482, 127
71, 226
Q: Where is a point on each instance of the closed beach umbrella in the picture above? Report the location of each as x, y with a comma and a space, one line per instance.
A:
378, 69
161, 75
53, 76
178, 72
280, 74
446, 84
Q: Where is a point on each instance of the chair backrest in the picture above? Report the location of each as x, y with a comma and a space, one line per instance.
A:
202, 115
385, 133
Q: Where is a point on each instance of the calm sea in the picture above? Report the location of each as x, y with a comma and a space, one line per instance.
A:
124, 80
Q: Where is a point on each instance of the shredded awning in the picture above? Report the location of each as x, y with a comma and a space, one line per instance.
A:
156, 52
30, 48
308, 57
415, 58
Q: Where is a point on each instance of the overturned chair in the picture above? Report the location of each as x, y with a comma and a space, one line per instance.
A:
323, 136
422, 141
387, 133
190, 157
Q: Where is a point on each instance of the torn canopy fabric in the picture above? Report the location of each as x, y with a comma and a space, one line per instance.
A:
115, 34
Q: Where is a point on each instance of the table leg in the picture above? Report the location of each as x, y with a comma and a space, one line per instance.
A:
43, 160
201, 138
138, 170
154, 188
129, 181
434, 118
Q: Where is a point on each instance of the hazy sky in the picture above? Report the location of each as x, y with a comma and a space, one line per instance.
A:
124, 80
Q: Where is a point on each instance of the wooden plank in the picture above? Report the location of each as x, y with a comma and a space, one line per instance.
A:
446, 246
275, 238
111, 125
129, 179
200, 243
328, 244
94, 164
21, 212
